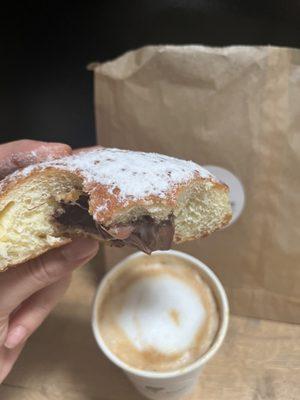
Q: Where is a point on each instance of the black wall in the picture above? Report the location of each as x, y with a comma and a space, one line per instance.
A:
45, 90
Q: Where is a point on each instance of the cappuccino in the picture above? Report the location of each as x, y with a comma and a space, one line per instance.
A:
159, 314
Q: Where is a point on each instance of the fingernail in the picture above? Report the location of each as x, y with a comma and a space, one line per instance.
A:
79, 249
15, 337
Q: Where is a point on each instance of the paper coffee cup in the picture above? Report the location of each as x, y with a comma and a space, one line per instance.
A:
173, 384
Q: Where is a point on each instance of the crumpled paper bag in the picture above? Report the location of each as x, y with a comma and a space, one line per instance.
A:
236, 110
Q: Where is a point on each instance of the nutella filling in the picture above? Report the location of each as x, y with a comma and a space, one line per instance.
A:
144, 233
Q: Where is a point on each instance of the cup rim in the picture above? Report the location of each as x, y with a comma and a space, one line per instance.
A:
183, 370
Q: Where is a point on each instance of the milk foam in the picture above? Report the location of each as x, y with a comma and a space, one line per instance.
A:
148, 309
158, 316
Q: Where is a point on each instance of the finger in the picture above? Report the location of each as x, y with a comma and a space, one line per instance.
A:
33, 312
21, 153
19, 283
8, 358
3, 329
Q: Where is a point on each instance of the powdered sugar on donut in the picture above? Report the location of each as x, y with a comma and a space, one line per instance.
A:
135, 174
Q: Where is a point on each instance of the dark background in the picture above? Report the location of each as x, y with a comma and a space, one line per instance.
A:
46, 92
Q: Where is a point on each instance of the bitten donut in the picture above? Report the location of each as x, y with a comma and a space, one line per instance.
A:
145, 200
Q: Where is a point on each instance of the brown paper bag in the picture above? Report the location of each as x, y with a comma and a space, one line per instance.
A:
236, 109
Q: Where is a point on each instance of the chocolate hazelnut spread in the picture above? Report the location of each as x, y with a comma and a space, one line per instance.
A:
144, 233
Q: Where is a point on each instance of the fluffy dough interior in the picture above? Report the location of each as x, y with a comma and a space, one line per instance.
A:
199, 210
26, 224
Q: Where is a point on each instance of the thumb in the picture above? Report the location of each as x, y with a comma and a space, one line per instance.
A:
19, 283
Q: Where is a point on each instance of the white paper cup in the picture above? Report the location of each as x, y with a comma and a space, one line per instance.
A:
174, 384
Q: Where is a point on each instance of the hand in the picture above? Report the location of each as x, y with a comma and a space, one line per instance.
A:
30, 291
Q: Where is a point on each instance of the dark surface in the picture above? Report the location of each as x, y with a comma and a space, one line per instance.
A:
46, 92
